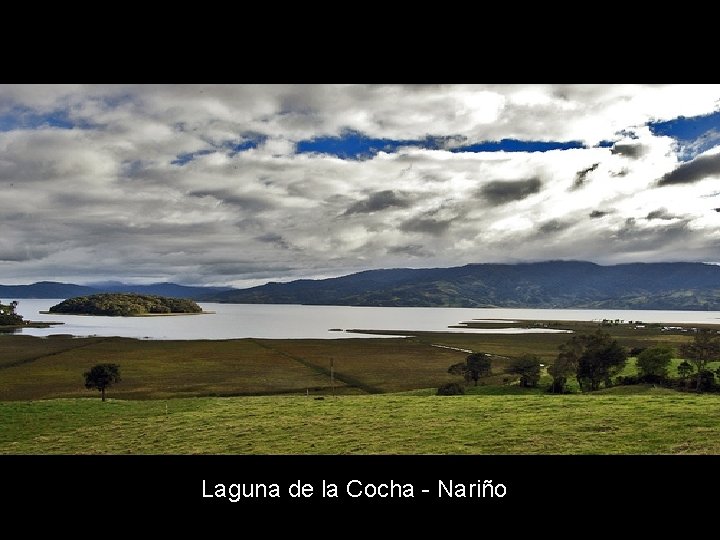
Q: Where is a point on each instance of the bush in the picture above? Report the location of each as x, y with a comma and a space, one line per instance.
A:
707, 381
450, 389
627, 380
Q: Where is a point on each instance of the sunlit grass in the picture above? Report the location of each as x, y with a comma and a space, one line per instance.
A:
653, 422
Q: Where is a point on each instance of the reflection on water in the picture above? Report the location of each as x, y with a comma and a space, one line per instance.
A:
293, 321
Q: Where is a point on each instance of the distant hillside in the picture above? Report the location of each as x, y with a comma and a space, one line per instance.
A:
44, 289
171, 290
552, 284
53, 289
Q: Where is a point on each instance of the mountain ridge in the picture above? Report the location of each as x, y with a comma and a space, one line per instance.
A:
56, 289
547, 284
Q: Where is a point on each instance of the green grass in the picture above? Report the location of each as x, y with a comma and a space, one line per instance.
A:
631, 367
651, 423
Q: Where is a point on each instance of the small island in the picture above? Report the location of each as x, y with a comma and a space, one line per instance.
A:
126, 305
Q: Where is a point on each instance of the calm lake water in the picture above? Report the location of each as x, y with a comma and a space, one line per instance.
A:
293, 321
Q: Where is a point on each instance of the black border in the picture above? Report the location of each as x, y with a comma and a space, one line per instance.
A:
537, 485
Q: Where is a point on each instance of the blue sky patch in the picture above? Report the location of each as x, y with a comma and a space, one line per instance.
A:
694, 134
231, 147
354, 145
351, 145
514, 145
24, 118
248, 142
187, 157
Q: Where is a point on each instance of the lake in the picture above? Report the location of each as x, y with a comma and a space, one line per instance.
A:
294, 321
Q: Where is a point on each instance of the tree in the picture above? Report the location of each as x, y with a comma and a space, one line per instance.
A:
706, 379
528, 367
594, 358
101, 376
654, 362
685, 369
8, 317
458, 369
478, 365
601, 359
565, 364
704, 348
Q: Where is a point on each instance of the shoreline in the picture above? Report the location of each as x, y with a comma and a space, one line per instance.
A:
138, 315
32, 324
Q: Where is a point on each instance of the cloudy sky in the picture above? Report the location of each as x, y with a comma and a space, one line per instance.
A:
238, 185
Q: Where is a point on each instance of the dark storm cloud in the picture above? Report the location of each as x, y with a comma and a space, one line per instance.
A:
445, 142
239, 269
633, 151
554, 225
78, 198
595, 214
692, 171
20, 254
378, 201
414, 250
434, 178
257, 204
275, 239
635, 238
428, 225
581, 176
660, 213
500, 192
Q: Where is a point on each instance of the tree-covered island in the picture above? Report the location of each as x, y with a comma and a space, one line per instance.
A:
125, 305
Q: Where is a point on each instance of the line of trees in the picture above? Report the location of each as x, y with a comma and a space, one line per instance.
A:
596, 360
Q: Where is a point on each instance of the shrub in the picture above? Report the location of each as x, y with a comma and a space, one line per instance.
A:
450, 389
707, 381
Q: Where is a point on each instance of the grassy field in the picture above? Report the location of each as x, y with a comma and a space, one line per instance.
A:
35, 368
248, 396
43, 368
652, 422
